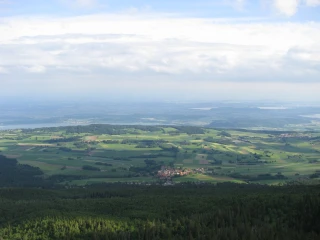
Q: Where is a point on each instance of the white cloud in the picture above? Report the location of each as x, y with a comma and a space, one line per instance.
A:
100, 50
291, 7
35, 69
287, 7
312, 3
3, 70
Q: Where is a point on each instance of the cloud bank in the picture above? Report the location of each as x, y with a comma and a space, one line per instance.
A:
160, 45
96, 51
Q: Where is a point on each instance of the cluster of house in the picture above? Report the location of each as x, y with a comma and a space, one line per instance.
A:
167, 172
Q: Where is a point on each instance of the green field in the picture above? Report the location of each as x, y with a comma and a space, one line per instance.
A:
120, 153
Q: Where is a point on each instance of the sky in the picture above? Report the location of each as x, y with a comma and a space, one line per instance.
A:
168, 50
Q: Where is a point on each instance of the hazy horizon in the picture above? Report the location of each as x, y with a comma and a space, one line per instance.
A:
235, 50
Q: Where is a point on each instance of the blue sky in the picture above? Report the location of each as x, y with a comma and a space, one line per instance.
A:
306, 10
161, 50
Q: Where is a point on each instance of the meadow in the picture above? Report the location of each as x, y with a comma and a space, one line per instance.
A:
83, 155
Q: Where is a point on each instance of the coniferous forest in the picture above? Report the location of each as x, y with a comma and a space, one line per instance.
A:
188, 211
40, 201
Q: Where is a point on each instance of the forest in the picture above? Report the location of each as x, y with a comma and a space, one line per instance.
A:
185, 211
106, 182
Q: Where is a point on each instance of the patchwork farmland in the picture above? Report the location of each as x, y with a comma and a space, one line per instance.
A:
109, 153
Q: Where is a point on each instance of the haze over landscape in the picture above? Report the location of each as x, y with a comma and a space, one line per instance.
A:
159, 120
151, 51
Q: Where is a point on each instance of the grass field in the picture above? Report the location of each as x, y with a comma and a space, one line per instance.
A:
228, 155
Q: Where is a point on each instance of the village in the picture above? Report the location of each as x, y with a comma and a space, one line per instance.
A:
167, 173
